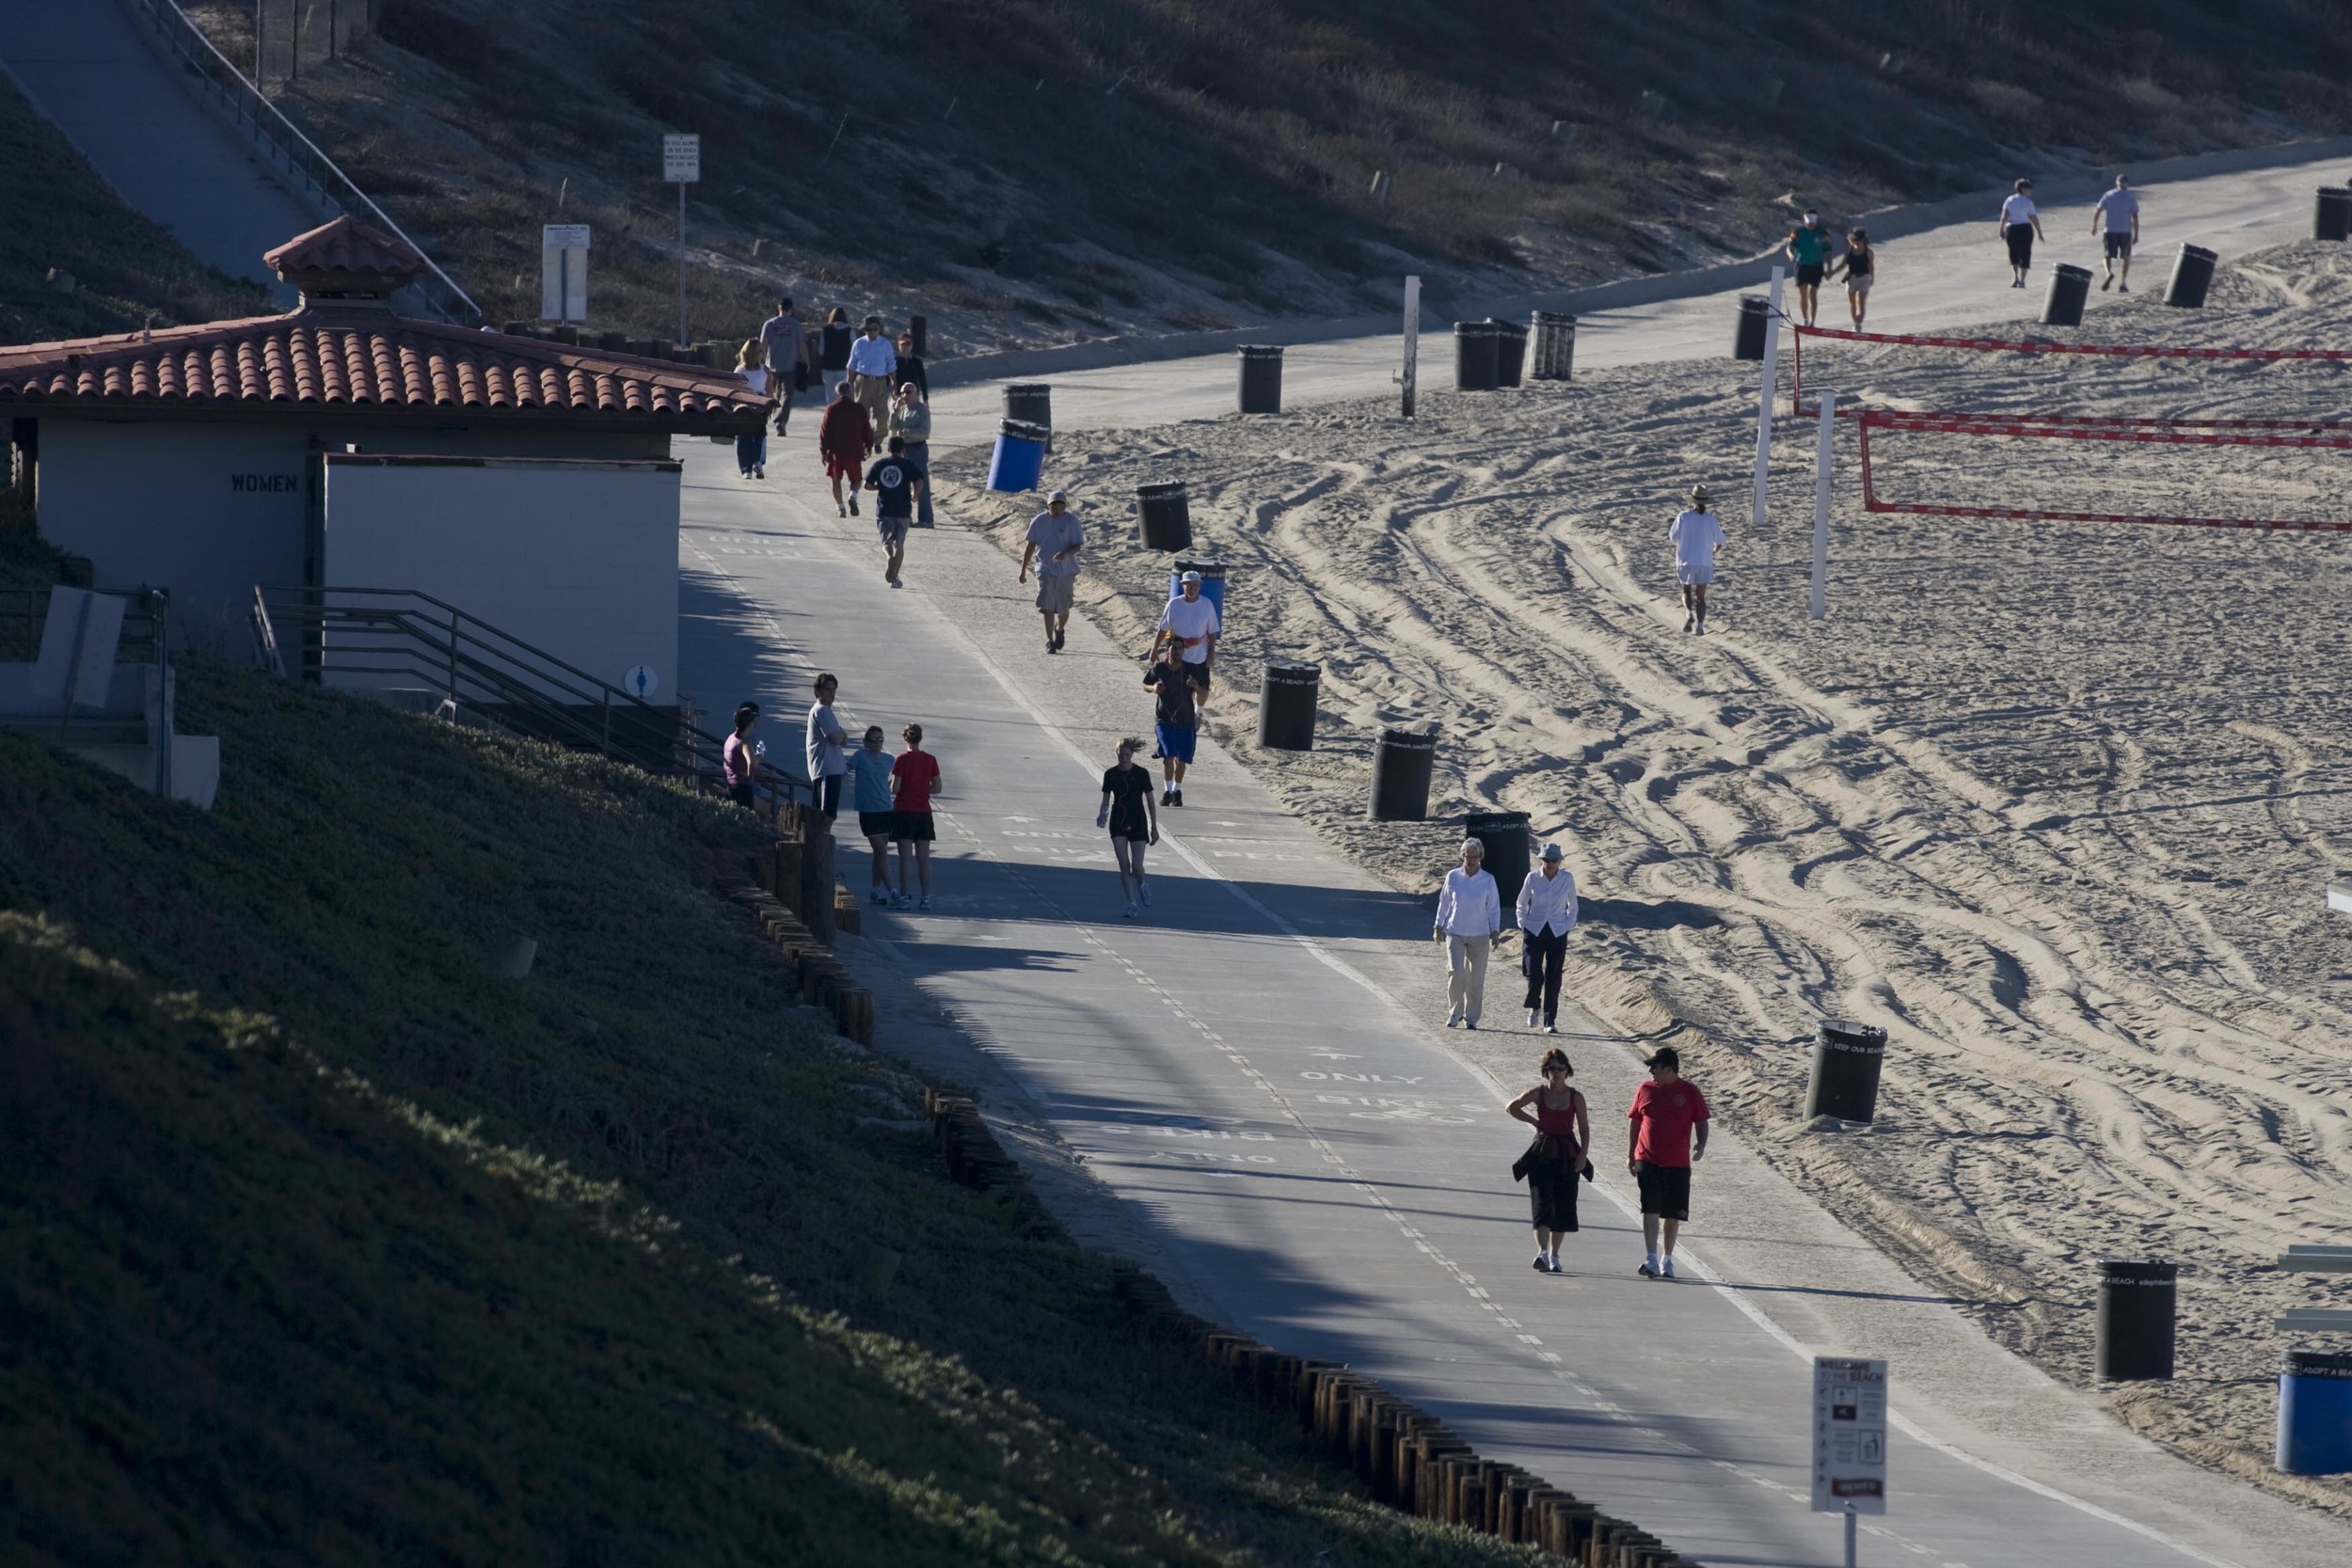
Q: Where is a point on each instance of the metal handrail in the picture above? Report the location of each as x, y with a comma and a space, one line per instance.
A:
475, 665
300, 155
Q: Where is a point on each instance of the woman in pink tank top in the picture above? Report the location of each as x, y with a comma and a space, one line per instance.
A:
1564, 1137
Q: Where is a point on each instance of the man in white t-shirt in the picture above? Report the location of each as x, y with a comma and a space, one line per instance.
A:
1697, 534
2021, 224
1190, 623
2117, 219
827, 749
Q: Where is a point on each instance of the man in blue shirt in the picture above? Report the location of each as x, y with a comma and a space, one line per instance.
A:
872, 362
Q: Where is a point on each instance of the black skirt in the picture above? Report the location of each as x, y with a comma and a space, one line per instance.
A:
1551, 1188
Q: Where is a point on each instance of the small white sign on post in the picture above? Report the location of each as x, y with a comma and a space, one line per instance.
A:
563, 272
1849, 1439
682, 160
2339, 898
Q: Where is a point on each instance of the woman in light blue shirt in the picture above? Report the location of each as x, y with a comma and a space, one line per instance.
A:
877, 815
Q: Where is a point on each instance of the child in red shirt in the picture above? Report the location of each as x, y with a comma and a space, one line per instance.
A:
913, 778
1666, 1114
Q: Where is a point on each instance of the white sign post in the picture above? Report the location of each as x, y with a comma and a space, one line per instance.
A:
1412, 341
1823, 455
563, 272
1764, 405
682, 166
1849, 1439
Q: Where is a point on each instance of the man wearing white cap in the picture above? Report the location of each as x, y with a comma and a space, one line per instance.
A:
1055, 537
1470, 912
1190, 626
1546, 913
1697, 534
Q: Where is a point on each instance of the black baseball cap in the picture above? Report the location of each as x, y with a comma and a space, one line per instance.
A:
1665, 1055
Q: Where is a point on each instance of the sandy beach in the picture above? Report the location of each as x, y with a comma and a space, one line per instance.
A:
2053, 803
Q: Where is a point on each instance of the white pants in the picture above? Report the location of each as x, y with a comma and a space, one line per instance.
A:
1466, 976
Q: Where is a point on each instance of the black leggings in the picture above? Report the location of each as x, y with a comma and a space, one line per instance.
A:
1541, 955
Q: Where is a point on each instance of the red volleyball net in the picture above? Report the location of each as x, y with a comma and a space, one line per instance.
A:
2240, 436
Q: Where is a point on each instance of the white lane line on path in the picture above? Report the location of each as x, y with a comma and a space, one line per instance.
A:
1738, 1298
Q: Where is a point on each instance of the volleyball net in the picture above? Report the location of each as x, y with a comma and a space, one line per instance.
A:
2281, 435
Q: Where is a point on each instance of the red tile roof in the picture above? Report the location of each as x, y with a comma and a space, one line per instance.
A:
355, 361
344, 249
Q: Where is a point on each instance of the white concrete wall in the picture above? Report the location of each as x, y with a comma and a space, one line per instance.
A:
205, 511
209, 510
577, 555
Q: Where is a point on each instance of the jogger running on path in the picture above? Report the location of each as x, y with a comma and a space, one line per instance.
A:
1697, 536
1128, 812
896, 480
1659, 1128
1808, 247
1552, 1163
1176, 720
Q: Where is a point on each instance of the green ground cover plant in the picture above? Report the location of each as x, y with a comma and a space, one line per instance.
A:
320, 1242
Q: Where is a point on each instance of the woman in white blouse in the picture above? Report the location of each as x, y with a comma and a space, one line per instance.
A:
1546, 913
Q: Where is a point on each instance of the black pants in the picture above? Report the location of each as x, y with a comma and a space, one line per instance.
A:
1541, 955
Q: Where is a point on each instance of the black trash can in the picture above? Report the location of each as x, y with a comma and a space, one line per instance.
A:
1845, 1061
1504, 835
1164, 515
919, 329
1747, 336
1286, 705
2070, 291
2135, 1320
1474, 357
2331, 213
2192, 275
1510, 351
1555, 346
1031, 402
1260, 378
1401, 762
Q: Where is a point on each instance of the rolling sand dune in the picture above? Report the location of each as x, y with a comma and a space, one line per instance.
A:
2052, 803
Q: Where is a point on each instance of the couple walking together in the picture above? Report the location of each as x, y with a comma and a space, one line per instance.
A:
1469, 917
1666, 1132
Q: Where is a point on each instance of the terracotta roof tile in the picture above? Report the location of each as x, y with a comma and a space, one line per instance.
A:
345, 248
327, 356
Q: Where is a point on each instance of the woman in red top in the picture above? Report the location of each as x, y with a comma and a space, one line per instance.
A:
913, 778
1563, 1134
844, 436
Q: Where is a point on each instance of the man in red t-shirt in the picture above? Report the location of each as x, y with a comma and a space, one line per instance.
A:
1658, 1152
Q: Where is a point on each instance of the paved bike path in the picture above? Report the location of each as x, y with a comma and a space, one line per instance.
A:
1253, 1072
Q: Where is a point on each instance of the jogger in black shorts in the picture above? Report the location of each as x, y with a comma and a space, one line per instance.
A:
1133, 820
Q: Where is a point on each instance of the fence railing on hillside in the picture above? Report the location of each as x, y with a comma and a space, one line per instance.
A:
395, 642
286, 148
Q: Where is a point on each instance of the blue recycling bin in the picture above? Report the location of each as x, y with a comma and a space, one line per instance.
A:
1020, 458
2315, 1413
1212, 582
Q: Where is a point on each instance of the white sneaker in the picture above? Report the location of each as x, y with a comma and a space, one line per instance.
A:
1534, 1015
1143, 891
1649, 1266
1130, 909
880, 896
925, 903
902, 901
1541, 1267
1666, 1267
1453, 1021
